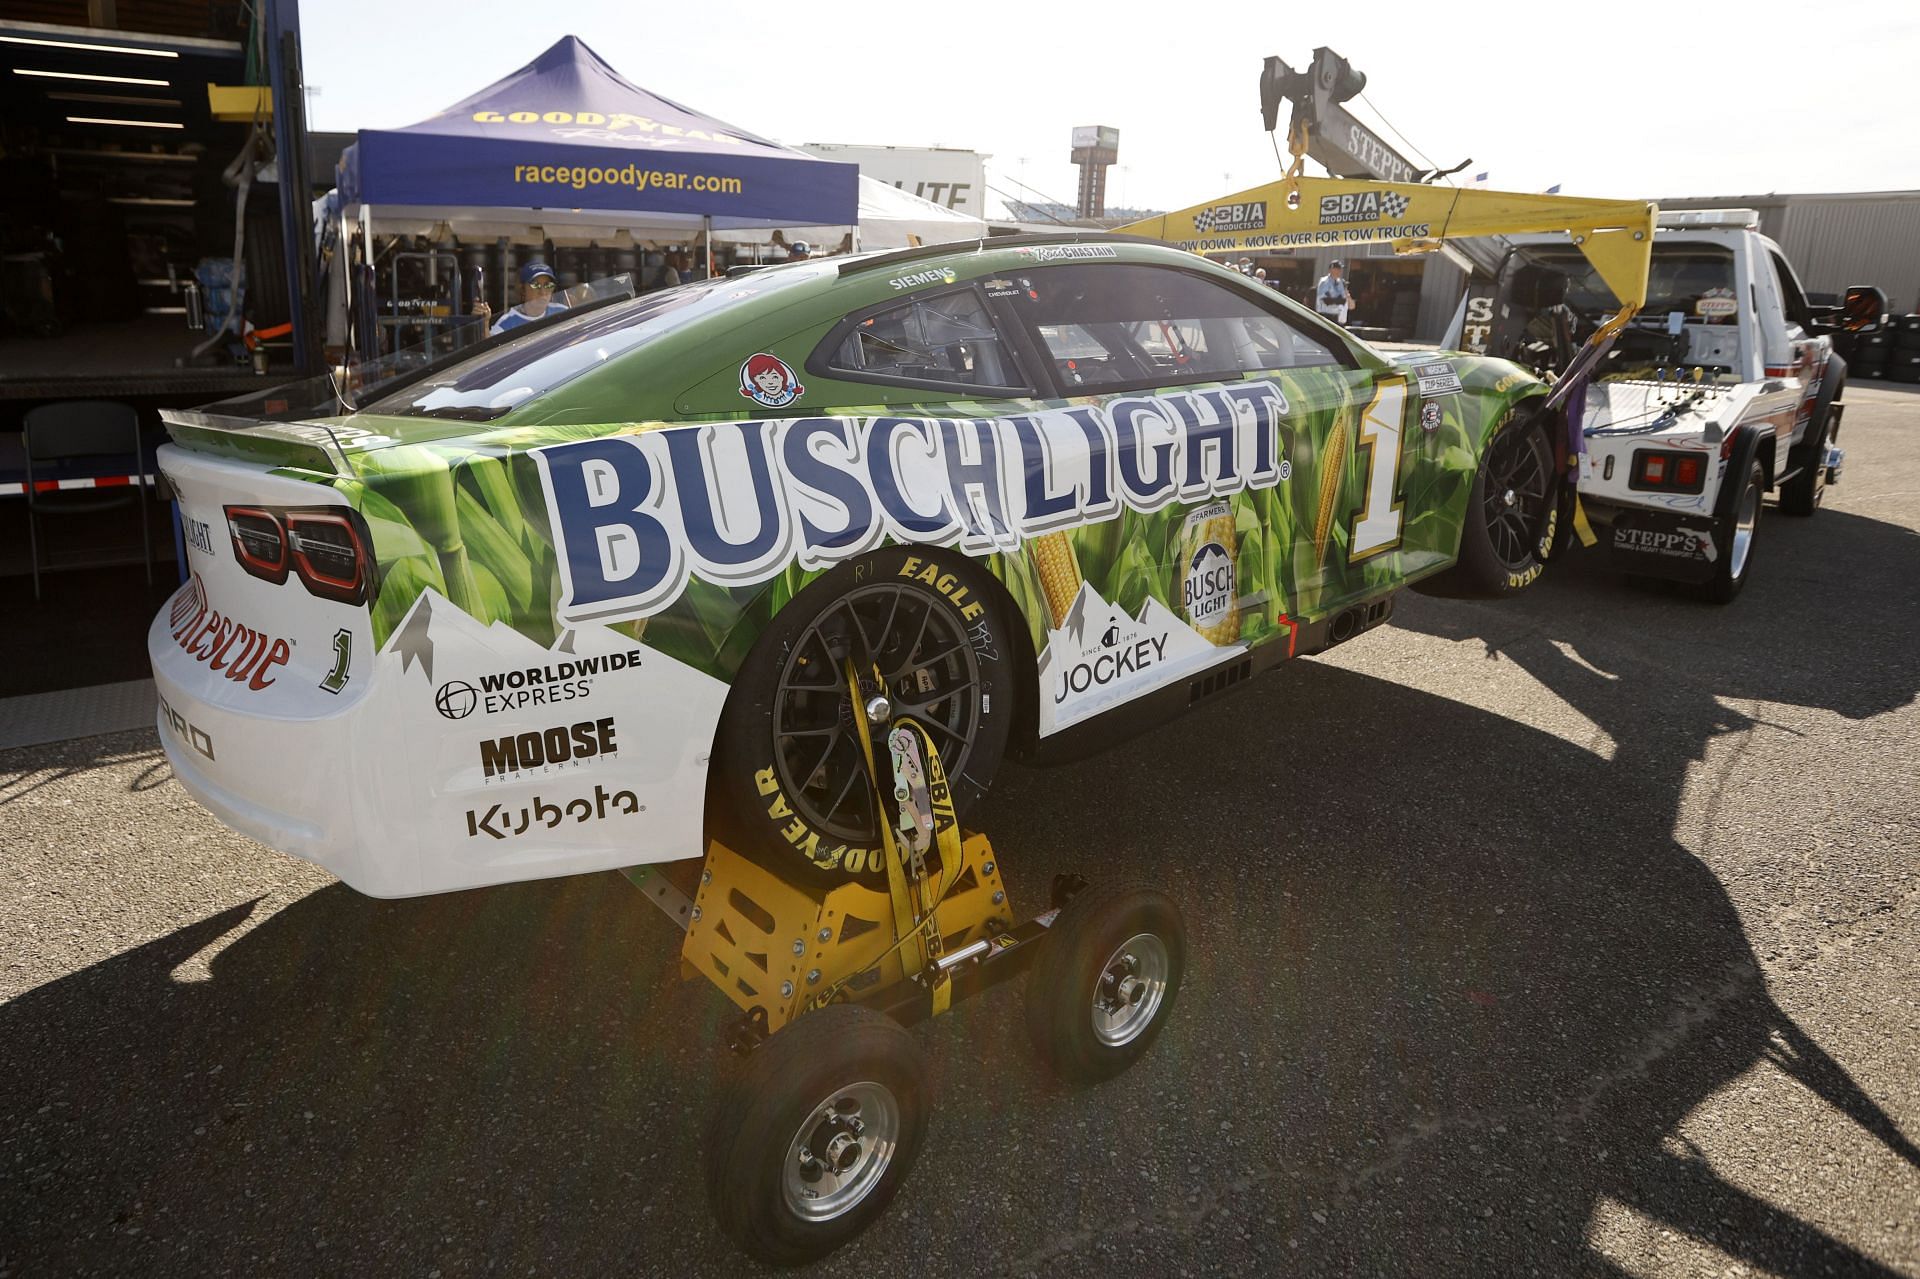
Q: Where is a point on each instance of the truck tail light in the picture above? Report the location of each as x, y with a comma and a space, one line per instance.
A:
326, 547
1668, 472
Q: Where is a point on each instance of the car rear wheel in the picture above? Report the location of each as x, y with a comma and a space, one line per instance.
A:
1512, 515
789, 776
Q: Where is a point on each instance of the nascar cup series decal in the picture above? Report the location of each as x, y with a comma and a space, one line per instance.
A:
768, 381
634, 516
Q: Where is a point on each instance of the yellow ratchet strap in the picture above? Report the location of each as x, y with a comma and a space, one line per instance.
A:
912, 958
946, 834
1581, 528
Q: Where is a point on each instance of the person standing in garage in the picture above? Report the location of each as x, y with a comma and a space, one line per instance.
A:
1331, 296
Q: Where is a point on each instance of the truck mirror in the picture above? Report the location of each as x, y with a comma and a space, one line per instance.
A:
1864, 308
1676, 320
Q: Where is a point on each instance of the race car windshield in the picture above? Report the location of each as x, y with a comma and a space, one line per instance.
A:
1552, 299
501, 376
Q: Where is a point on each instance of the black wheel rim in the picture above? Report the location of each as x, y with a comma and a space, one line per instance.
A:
931, 673
1519, 480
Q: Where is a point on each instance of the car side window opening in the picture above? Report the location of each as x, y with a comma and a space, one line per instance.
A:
942, 339
1128, 327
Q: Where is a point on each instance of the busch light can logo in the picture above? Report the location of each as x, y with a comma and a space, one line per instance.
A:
1250, 215
1208, 594
1361, 206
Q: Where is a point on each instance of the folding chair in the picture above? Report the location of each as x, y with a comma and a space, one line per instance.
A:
84, 429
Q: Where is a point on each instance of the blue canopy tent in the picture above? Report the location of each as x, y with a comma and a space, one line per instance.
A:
567, 136
565, 148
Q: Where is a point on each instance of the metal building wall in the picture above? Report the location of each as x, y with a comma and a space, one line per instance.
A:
1837, 240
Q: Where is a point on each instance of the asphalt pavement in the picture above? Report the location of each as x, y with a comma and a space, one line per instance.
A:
1574, 934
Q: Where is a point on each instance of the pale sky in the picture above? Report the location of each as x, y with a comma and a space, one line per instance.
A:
1629, 99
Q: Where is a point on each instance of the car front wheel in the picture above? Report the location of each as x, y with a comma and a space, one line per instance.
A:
1512, 515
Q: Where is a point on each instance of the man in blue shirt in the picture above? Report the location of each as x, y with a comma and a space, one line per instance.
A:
537, 283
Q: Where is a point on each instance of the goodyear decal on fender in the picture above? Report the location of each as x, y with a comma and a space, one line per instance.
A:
733, 503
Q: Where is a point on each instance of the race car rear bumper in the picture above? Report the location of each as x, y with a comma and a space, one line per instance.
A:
1644, 542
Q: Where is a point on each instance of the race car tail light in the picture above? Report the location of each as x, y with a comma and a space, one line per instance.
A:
324, 546
259, 541
329, 554
1668, 472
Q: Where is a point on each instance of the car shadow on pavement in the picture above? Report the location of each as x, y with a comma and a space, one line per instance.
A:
1454, 985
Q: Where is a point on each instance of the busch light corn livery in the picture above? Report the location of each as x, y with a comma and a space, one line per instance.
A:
584, 593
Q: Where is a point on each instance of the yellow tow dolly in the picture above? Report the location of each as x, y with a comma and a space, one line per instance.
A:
814, 1134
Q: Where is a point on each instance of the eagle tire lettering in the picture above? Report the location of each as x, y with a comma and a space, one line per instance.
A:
749, 799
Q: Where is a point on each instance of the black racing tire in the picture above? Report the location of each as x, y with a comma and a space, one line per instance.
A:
1735, 537
1512, 515
811, 1139
788, 781
1105, 981
1801, 495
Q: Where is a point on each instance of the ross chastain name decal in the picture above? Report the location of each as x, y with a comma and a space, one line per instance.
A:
1069, 252
635, 516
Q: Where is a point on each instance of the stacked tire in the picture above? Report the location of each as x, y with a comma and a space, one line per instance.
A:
1872, 353
1903, 361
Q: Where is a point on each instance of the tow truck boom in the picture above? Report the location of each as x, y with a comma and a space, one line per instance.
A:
1616, 236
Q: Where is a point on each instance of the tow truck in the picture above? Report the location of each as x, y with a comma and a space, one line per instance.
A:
1723, 388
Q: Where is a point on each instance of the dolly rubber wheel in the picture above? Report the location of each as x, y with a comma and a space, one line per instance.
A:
1512, 516
1105, 980
789, 779
811, 1140
1735, 537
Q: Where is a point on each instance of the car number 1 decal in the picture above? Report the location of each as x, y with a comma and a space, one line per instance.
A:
342, 662
1376, 527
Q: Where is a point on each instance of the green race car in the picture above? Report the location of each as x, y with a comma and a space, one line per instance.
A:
584, 594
